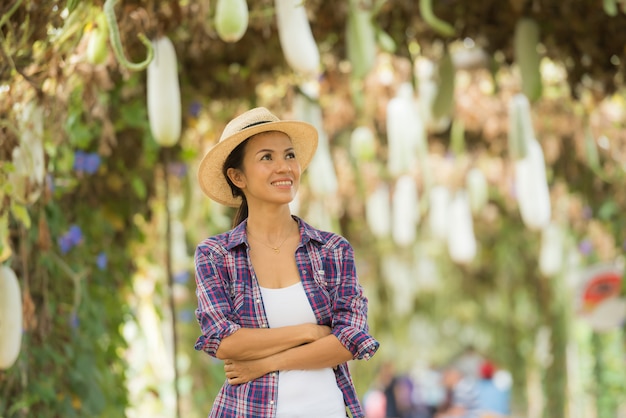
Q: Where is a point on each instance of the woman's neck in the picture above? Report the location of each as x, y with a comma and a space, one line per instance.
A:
271, 225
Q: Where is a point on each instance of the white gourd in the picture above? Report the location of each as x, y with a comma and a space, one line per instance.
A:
363, 144
163, 94
405, 131
10, 318
231, 19
426, 88
321, 169
551, 252
28, 157
521, 131
525, 41
439, 202
296, 38
405, 207
532, 189
461, 239
378, 211
360, 39
400, 278
477, 188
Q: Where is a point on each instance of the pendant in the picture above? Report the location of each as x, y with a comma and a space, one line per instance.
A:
276, 250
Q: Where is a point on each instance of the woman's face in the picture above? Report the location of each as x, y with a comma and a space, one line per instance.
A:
270, 172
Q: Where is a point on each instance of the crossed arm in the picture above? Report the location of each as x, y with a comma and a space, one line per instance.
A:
249, 353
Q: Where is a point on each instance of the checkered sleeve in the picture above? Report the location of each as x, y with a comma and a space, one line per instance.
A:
214, 313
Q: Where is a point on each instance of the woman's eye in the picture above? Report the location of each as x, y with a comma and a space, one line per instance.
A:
266, 157
291, 155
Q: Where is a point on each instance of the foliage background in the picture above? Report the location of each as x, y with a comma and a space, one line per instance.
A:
100, 253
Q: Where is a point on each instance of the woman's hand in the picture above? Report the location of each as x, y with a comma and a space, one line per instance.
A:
243, 371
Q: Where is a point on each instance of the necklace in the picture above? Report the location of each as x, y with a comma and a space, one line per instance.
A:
275, 248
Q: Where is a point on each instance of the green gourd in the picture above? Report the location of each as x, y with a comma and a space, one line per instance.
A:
231, 19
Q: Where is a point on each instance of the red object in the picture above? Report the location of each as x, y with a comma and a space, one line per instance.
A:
602, 286
486, 370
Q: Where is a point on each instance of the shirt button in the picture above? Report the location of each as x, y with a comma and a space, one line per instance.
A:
258, 301
274, 374
263, 325
367, 355
271, 402
304, 272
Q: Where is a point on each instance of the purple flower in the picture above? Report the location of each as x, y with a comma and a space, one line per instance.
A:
585, 246
75, 234
79, 160
70, 239
74, 322
181, 277
86, 162
177, 169
194, 109
65, 243
101, 261
186, 315
92, 163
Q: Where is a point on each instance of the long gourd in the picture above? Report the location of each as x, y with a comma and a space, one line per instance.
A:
531, 185
231, 19
10, 318
461, 239
164, 105
296, 38
405, 207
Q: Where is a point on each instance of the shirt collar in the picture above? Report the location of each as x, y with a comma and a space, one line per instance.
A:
237, 235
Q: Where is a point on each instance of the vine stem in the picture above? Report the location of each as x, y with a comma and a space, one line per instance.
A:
170, 276
116, 41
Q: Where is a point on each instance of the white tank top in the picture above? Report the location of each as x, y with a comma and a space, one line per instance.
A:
301, 393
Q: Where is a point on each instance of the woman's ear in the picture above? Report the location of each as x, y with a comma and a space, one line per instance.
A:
236, 176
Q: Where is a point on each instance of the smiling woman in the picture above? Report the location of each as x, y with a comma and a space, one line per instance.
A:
278, 300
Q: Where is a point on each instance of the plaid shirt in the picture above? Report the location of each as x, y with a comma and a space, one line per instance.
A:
229, 298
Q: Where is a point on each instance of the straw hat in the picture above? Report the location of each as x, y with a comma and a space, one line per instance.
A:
212, 182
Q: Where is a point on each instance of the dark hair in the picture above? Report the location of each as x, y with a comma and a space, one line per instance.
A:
235, 160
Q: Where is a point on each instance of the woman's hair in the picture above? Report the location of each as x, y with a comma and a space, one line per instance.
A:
235, 160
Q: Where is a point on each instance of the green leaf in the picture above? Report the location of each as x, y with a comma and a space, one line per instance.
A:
20, 212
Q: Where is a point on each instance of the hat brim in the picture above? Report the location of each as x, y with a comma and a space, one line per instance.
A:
304, 138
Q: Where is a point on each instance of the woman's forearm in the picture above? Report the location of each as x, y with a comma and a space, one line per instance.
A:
322, 353
257, 343
325, 352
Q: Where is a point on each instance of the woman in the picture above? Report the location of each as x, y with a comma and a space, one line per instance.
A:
278, 300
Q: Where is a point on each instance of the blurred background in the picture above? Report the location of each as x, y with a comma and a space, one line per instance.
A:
473, 152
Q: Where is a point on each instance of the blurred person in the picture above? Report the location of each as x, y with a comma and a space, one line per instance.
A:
401, 400
374, 400
493, 392
461, 399
279, 301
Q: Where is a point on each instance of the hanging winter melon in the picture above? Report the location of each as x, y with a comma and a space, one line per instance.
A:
360, 39
29, 157
363, 144
478, 189
439, 201
296, 38
461, 239
10, 318
405, 207
97, 47
531, 185
231, 19
551, 251
321, 169
378, 211
405, 131
164, 105
526, 40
